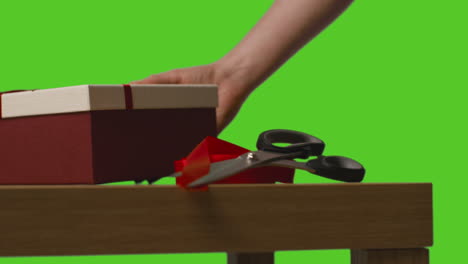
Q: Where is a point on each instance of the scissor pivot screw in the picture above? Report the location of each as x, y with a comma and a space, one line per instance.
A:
251, 156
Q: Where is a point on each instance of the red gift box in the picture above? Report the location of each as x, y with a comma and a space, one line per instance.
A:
101, 133
211, 150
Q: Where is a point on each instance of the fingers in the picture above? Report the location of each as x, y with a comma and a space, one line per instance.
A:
170, 77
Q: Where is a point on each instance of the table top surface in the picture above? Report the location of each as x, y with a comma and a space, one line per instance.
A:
136, 219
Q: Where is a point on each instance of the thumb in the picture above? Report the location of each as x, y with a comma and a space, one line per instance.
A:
169, 77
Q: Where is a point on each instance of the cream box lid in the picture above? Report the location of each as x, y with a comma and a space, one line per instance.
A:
93, 97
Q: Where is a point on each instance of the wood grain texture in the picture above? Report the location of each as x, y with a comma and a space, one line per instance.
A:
390, 256
81, 220
251, 258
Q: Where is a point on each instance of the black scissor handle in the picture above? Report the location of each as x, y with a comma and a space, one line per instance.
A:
337, 168
300, 142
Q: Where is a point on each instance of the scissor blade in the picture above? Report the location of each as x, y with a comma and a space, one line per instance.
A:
175, 174
223, 169
216, 167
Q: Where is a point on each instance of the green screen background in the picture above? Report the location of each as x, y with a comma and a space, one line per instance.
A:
385, 84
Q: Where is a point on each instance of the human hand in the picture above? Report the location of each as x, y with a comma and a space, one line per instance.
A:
232, 92
285, 28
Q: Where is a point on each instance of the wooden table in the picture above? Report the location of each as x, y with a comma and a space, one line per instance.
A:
379, 223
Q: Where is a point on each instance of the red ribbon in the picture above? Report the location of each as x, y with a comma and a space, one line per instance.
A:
128, 96
197, 164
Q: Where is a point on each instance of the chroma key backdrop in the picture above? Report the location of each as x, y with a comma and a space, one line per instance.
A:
385, 84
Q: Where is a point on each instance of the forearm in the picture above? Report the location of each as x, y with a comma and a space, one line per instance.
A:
285, 28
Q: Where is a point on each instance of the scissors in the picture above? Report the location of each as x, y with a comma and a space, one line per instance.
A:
301, 145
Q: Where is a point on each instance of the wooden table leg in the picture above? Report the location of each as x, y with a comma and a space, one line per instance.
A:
251, 258
390, 256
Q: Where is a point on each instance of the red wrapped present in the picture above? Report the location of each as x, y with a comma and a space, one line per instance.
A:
101, 133
211, 150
